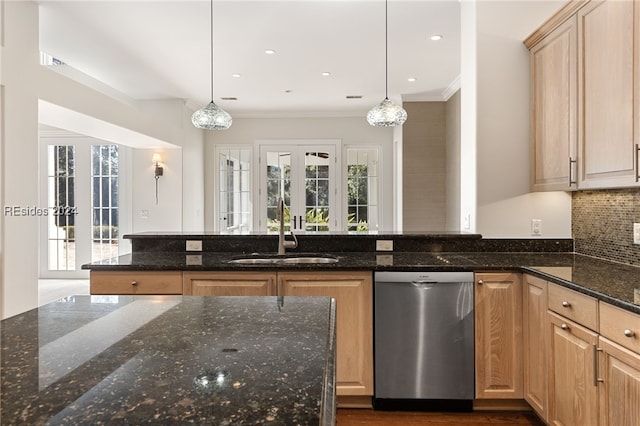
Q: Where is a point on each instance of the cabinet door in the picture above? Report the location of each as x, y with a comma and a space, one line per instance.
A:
535, 344
353, 293
498, 314
554, 79
608, 78
573, 390
620, 390
228, 283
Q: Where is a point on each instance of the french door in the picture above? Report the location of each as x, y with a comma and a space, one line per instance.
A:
305, 175
80, 187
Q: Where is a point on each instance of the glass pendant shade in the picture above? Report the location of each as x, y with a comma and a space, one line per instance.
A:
386, 114
211, 117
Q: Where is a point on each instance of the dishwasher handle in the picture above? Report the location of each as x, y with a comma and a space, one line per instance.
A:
419, 283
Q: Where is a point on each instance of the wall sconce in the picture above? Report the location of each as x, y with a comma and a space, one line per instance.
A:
158, 171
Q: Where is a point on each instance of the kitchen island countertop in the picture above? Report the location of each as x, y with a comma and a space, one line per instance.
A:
170, 360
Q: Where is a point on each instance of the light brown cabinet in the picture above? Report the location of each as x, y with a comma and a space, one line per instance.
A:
353, 292
620, 388
498, 334
573, 390
135, 282
554, 85
585, 93
229, 283
535, 344
608, 75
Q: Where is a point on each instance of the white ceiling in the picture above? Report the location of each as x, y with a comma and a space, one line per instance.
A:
152, 49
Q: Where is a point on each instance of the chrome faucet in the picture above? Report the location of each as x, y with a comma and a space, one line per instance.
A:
282, 242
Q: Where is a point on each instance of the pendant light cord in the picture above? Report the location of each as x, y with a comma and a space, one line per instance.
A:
386, 51
211, 39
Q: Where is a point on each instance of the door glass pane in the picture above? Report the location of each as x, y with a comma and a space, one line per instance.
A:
317, 191
61, 220
278, 185
362, 189
104, 202
234, 176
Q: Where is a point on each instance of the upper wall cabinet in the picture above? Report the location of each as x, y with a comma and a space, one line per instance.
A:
554, 80
585, 73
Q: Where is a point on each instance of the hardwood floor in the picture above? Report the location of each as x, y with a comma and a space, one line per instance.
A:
360, 417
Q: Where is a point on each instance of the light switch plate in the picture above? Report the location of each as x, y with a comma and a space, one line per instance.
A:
536, 227
194, 245
636, 233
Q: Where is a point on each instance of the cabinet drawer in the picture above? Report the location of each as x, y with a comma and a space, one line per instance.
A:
133, 282
623, 327
576, 306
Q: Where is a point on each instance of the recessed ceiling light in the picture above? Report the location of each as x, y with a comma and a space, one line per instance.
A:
326, 74
288, 91
269, 51
436, 37
229, 98
412, 79
354, 96
235, 75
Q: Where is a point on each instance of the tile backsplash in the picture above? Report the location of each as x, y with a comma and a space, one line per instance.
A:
602, 224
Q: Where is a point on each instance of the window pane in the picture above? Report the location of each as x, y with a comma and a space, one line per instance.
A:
61, 222
105, 194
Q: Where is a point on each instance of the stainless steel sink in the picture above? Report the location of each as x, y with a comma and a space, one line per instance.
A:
293, 260
314, 259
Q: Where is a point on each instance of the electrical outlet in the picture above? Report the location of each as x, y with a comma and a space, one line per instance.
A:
384, 245
536, 227
144, 214
636, 233
194, 245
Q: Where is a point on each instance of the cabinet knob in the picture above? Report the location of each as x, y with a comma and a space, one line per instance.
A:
566, 304
564, 326
629, 333
134, 283
480, 282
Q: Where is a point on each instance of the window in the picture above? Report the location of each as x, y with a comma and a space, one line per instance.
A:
104, 202
304, 175
61, 218
82, 188
234, 205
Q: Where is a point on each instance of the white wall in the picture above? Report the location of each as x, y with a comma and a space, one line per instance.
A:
87, 111
505, 205
351, 130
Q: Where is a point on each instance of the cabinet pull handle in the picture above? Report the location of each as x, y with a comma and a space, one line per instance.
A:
564, 326
480, 282
596, 380
134, 283
637, 161
572, 181
629, 333
566, 304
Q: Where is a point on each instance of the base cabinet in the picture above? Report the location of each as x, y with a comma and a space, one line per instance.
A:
229, 284
354, 322
620, 385
498, 329
135, 282
573, 390
535, 344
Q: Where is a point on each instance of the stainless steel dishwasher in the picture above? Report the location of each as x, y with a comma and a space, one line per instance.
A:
424, 341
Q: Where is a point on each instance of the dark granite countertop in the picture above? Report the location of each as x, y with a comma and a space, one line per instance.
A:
612, 282
170, 360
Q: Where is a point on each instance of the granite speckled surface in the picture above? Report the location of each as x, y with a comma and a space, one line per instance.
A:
612, 282
170, 360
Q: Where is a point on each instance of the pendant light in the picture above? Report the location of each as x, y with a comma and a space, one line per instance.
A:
386, 113
211, 117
